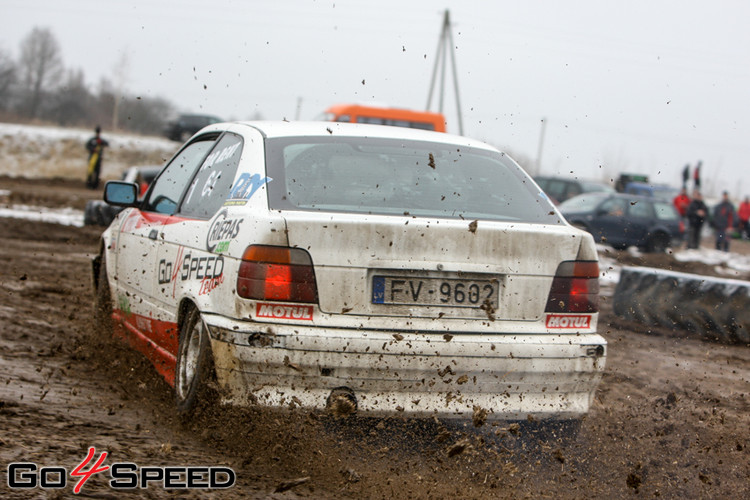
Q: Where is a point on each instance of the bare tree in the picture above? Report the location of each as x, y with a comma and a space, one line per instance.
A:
145, 115
103, 103
69, 103
120, 72
40, 65
7, 78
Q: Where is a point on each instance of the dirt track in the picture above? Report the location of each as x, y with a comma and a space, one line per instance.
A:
671, 419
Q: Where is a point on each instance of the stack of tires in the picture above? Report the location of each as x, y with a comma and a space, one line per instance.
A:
715, 308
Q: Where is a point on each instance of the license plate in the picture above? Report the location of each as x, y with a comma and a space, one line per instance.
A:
434, 291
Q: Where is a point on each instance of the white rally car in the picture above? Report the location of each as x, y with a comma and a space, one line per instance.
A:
401, 271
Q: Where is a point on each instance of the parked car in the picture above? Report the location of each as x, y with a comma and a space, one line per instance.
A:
184, 126
623, 220
382, 270
100, 213
560, 189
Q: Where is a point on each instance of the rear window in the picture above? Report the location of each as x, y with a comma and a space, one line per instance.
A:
399, 177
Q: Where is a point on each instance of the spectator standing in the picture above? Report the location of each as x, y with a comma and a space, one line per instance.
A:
95, 147
744, 215
723, 221
681, 202
696, 215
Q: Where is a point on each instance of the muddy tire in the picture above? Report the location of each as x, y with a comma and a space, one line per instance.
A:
103, 301
90, 215
194, 375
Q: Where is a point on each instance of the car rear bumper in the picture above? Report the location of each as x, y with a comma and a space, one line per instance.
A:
417, 374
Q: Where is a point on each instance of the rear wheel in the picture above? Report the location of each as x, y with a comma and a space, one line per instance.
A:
194, 372
658, 243
89, 215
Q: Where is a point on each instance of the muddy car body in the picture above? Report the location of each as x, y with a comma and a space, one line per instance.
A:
403, 271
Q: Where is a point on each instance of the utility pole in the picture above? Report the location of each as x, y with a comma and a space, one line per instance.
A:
444, 44
120, 76
540, 147
299, 108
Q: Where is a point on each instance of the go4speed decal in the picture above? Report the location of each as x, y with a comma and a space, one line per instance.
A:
209, 269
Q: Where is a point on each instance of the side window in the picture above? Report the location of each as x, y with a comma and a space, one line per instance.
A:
615, 207
641, 209
556, 189
422, 125
371, 120
211, 185
665, 211
167, 190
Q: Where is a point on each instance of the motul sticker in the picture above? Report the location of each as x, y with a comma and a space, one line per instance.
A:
568, 321
280, 311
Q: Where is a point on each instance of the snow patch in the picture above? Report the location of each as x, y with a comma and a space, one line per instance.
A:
63, 216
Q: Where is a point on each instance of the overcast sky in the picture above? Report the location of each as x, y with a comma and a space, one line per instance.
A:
645, 86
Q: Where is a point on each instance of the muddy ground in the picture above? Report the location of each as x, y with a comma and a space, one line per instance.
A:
671, 417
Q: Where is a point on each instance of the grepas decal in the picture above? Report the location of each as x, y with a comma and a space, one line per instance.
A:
222, 231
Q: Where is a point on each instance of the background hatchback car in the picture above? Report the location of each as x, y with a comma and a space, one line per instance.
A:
623, 220
398, 271
560, 189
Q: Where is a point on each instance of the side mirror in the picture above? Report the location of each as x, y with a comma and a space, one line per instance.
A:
121, 194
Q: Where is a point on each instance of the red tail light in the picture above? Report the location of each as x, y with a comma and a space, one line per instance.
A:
575, 288
277, 273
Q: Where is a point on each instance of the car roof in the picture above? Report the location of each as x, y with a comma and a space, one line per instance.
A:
655, 187
611, 194
150, 169
627, 196
571, 179
275, 129
197, 115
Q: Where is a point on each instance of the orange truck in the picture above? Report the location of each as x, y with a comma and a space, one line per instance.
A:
357, 113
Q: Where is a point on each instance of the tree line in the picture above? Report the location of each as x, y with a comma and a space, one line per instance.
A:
37, 87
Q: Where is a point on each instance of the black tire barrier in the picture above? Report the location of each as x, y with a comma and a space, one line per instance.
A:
716, 309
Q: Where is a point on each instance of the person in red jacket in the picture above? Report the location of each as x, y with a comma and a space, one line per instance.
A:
681, 202
744, 215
